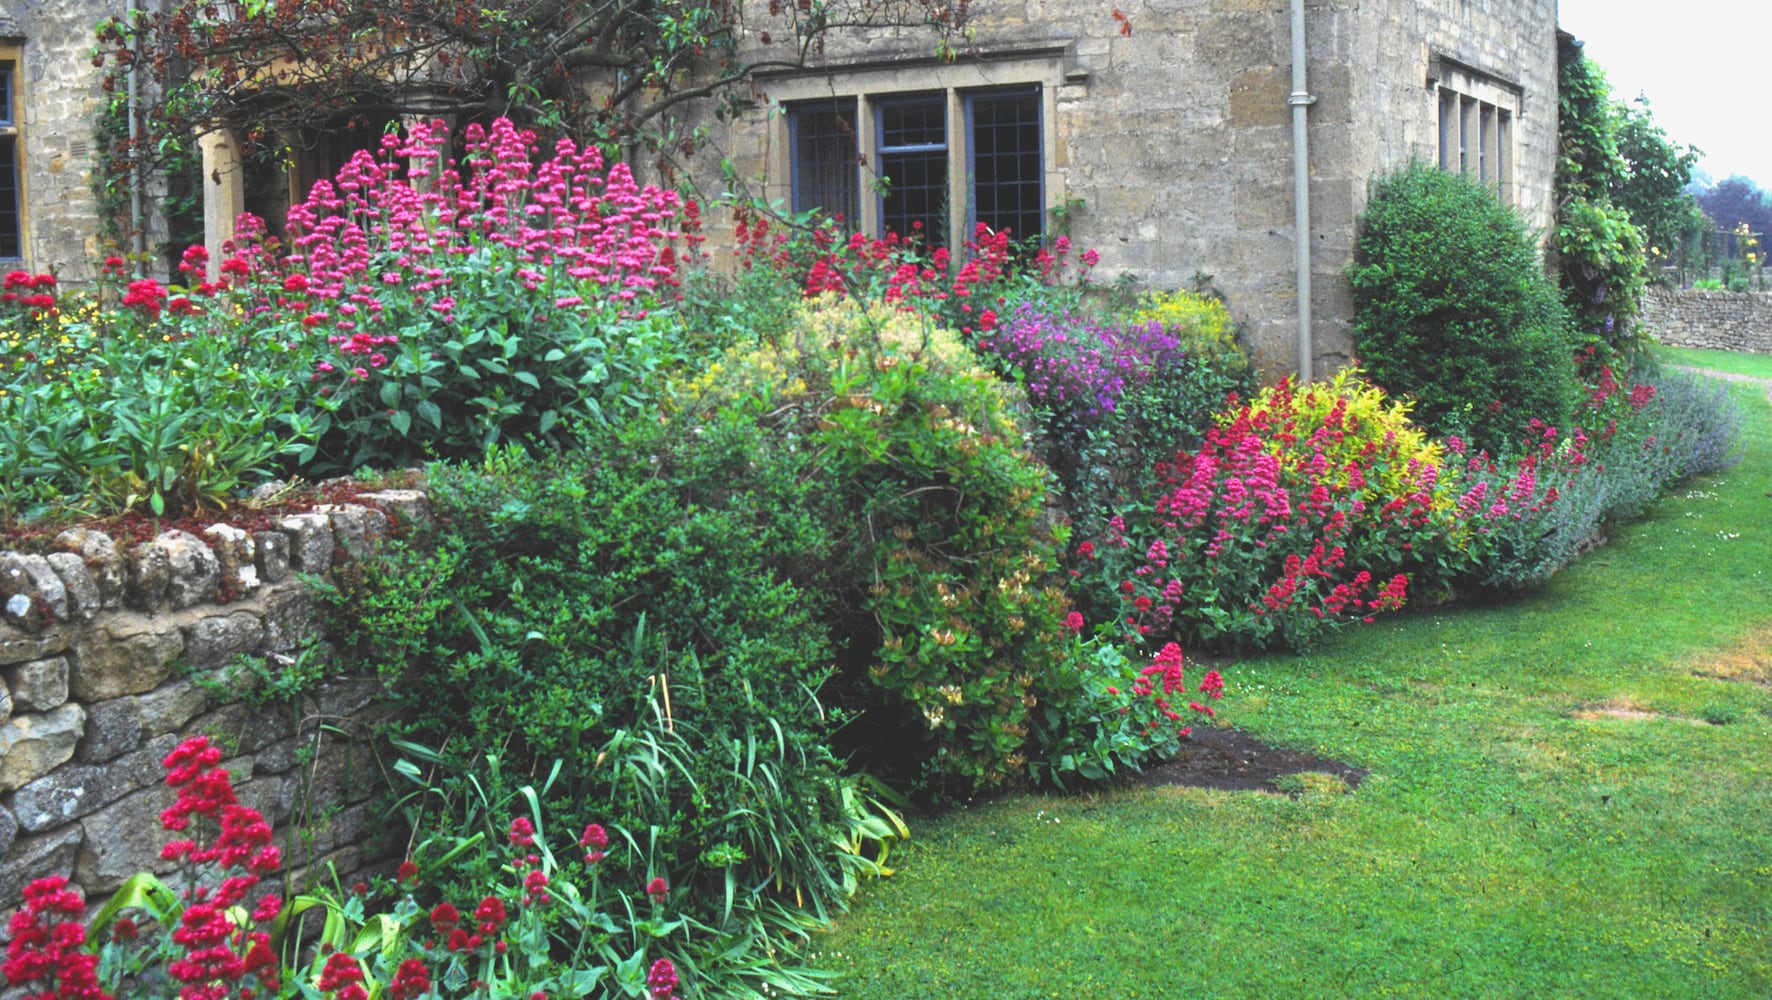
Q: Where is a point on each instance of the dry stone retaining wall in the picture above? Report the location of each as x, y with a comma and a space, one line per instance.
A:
1722, 321
104, 650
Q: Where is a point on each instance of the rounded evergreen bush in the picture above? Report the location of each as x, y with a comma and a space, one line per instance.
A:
1452, 307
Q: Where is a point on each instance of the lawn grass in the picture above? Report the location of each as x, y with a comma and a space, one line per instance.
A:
1738, 363
1512, 840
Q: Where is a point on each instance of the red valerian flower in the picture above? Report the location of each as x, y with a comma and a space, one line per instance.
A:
341, 971
1212, 685
522, 832
535, 887
45, 949
596, 839
411, 981
490, 915
657, 889
661, 981
445, 916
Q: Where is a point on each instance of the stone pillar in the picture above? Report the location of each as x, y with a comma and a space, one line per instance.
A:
224, 192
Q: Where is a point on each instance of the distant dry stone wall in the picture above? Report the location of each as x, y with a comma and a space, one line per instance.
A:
1721, 321
102, 650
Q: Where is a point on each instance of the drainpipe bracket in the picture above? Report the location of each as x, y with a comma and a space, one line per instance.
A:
1300, 99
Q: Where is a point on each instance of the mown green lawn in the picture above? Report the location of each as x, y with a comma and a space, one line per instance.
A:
1757, 365
1570, 796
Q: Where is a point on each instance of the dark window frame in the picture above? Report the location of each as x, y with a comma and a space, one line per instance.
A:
1029, 217
12, 222
905, 199
806, 194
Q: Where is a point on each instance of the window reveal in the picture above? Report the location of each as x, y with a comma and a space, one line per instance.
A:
11, 224
1476, 128
891, 160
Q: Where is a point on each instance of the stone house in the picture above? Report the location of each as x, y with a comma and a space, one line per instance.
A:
1162, 133
1165, 140
49, 95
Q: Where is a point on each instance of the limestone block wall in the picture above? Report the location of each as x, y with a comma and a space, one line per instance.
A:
105, 650
1721, 321
1174, 136
58, 96
1392, 54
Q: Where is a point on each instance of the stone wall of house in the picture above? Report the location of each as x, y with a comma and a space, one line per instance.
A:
1721, 321
59, 94
1393, 50
111, 654
1173, 140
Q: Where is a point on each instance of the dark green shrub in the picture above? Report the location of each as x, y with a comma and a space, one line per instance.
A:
868, 485
1451, 307
1171, 411
589, 581
666, 593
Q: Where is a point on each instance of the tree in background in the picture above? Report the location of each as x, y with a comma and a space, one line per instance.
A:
1652, 190
1735, 202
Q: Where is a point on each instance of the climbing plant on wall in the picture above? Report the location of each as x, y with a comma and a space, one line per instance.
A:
1599, 249
610, 72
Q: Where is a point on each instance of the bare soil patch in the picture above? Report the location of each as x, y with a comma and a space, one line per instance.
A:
1749, 660
1629, 713
1225, 758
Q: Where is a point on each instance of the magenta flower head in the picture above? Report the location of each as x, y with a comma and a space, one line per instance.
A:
490, 914
661, 981
594, 840
522, 832
1212, 685
657, 889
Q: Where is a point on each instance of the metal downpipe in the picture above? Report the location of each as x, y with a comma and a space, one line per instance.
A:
138, 235
1301, 100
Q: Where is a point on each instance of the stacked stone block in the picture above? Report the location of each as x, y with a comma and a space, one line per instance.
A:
110, 656
1718, 321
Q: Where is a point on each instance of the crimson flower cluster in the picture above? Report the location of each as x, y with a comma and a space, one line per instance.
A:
903, 270
1163, 679
342, 978
396, 226
221, 959
1259, 535
35, 292
594, 840
661, 980
45, 954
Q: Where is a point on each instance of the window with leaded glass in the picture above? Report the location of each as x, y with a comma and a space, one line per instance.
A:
1007, 173
826, 159
913, 148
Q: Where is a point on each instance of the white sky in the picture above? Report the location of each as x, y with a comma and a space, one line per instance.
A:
1697, 61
